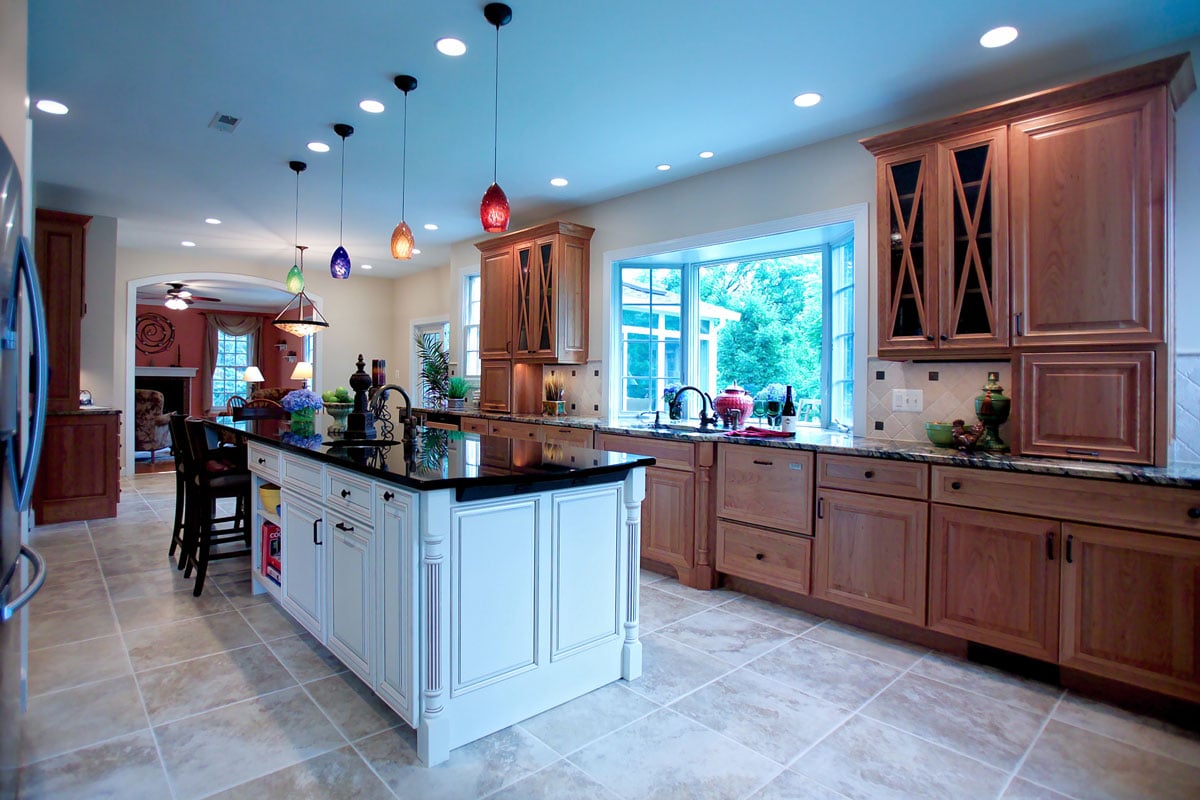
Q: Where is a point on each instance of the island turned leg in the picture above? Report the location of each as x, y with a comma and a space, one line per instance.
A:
433, 732
631, 651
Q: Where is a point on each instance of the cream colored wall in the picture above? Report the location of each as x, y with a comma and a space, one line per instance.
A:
14, 25
423, 296
98, 354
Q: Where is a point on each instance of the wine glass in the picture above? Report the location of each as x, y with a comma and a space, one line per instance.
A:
774, 412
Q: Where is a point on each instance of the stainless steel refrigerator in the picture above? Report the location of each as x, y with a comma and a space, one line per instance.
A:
23, 380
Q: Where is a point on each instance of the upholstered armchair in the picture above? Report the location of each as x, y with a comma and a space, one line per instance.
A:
151, 429
275, 393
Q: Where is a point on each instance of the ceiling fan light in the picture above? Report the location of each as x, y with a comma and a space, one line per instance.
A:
176, 303
493, 210
402, 242
339, 264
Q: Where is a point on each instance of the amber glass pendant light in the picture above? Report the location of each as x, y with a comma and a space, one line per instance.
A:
339, 263
293, 318
493, 209
402, 238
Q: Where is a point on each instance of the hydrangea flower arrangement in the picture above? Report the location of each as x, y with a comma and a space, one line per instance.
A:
301, 400
310, 442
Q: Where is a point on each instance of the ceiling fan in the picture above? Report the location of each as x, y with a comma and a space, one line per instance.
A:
180, 297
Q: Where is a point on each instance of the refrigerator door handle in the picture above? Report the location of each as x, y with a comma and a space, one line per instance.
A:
39, 379
9, 610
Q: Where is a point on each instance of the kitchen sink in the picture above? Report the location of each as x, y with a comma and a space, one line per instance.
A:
677, 426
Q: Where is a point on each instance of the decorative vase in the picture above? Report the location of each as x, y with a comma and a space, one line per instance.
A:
674, 410
456, 402
992, 408
554, 408
734, 398
303, 422
337, 413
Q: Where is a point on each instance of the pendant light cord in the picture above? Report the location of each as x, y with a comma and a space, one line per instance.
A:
296, 235
404, 159
342, 193
496, 109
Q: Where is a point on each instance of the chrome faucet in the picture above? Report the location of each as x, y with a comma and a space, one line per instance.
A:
706, 402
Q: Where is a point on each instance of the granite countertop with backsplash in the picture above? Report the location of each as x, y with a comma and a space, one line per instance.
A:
1183, 474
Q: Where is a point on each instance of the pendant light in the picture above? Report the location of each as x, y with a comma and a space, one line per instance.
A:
339, 263
493, 209
402, 237
292, 319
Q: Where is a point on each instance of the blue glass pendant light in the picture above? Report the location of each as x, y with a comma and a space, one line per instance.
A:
339, 263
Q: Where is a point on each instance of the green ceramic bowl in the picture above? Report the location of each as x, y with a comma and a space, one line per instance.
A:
940, 433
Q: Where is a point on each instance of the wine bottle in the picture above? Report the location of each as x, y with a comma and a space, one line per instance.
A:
788, 423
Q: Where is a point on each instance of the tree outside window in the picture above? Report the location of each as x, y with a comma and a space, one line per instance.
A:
233, 356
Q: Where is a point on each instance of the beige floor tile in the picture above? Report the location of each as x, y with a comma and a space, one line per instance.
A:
234, 744
180, 641
668, 755
161, 580
337, 775
985, 729
1021, 789
570, 726
58, 554
239, 590
733, 639
352, 706
657, 609
794, 786
124, 562
705, 597
60, 533
786, 619
67, 574
1085, 764
147, 612
270, 622
59, 722
864, 643
81, 594
472, 771
305, 657
842, 678
671, 670
557, 781
1012, 689
764, 715
75, 664
646, 577
1135, 729
120, 769
76, 625
201, 684
865, 759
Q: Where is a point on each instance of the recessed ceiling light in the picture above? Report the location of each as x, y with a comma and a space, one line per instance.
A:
318, 147
51, 107
186, 243
213, 221
807, 99
416, 251
366, 266
558, 181
998, 37
707, 154
429, 226
449, 46
371, 106
663, 167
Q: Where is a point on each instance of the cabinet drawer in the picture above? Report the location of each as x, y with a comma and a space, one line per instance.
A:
513, 430
669, 454
580, 437
1161, 509
351, 494
300, 473
765, 486
775, 559
263, 461
873, 475
474, 425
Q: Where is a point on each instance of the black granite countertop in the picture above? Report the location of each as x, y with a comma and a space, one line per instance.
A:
475, 466
1182, 475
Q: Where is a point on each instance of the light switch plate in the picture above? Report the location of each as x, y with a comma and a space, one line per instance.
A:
908, 400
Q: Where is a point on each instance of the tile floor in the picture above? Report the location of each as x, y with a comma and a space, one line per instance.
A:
139, 690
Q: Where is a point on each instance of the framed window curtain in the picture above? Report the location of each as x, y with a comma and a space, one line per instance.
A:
231, 325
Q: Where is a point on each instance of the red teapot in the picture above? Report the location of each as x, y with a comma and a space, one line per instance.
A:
734, 406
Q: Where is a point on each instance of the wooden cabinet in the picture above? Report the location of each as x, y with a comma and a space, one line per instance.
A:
79, 476
873, 476
765, 486
351, 592
1131, 607
474, 425
993, 578
526, 431
302, 557
870, 553
496, 304
561, 434
61, 252
1088, 405
1088, 221
764, 556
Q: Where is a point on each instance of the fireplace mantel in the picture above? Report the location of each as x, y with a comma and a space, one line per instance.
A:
164, 372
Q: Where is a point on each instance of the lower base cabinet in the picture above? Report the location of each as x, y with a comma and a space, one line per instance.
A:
669, 519
769, 557
993, 579
870, 553
351, 593
396, 549
303, 562
79, 476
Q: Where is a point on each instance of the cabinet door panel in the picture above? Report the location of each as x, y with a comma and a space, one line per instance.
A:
351, 595
668, 517
907, 251
776, 559
303, 563
496, 304
396, 662
495, 385
993, 578
1131, 607
870, 553
765, 486
1088, 190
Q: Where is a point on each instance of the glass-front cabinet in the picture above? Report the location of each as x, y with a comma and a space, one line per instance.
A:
536, 288
907, 269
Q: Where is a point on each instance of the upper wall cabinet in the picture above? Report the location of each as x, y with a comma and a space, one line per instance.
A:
1078, 178
61, 252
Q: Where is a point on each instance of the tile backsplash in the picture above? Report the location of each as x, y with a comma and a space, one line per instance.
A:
583, 387
1186, 445
949, 389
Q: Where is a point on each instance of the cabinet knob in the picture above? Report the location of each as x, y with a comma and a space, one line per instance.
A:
869, 474
262, 461
1194, 512
929, 337
387, 496
759, 556
345, 493
955, 485
945, 338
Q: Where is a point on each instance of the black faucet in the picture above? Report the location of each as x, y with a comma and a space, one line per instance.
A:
706, 402
407, 420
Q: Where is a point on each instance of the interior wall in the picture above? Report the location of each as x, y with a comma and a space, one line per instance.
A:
423, 296
14, 29
96, 354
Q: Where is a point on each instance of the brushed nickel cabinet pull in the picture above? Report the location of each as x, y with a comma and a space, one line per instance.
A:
1075, 452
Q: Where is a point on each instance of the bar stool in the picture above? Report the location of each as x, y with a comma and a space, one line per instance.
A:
215, 473
181, 450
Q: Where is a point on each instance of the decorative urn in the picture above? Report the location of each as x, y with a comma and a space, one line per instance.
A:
734, 406
992, 409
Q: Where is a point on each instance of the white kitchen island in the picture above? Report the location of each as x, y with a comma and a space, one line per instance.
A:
474, 585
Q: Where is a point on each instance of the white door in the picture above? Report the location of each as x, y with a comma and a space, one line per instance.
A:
437, 332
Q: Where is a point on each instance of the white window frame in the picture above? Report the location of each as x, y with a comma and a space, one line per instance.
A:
467, 325
243, 388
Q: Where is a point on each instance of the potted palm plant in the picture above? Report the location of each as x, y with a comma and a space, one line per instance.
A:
457, 392
435, 371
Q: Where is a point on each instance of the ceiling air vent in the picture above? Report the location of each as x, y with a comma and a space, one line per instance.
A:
224, 122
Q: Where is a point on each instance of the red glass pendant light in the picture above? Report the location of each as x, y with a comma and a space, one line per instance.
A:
493, 209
